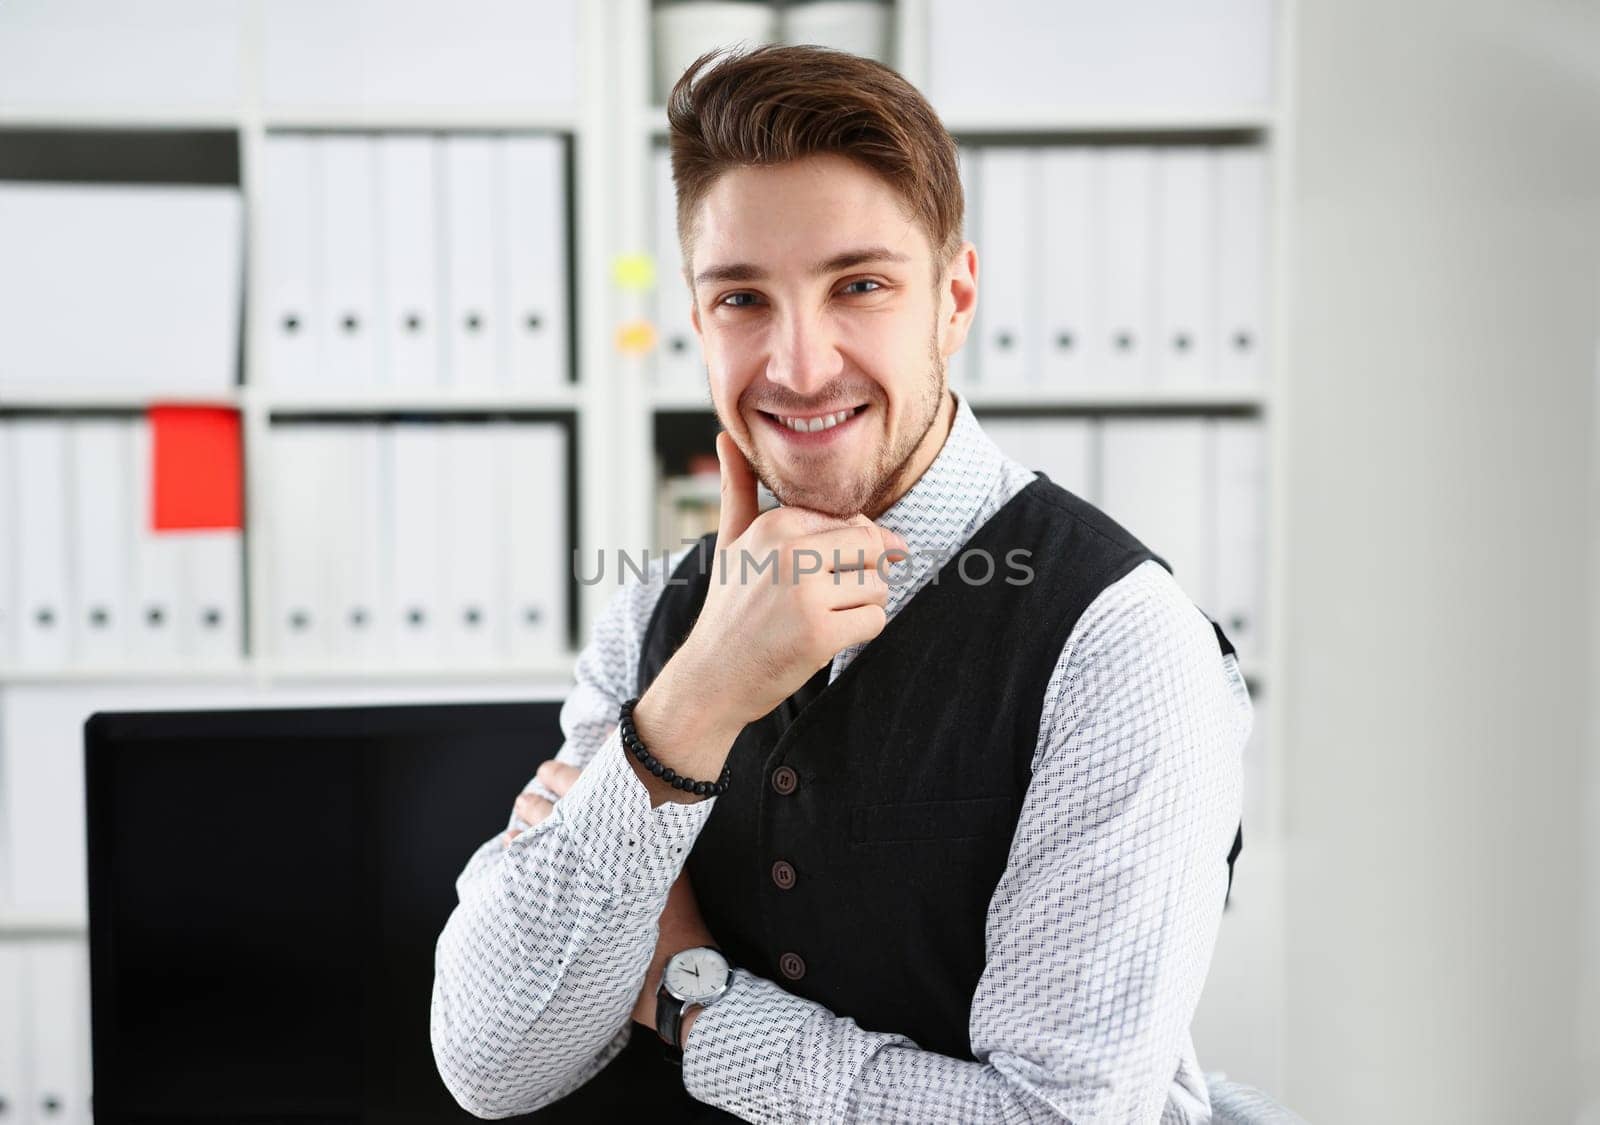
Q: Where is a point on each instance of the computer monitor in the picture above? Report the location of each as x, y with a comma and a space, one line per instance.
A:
265, 892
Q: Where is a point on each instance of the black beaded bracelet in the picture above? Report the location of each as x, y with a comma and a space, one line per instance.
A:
658, 768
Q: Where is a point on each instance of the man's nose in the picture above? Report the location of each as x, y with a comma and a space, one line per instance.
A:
805, 355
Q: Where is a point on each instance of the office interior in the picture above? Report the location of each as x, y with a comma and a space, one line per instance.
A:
332, 334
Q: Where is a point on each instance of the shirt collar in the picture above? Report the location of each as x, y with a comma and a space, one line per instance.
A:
956, 493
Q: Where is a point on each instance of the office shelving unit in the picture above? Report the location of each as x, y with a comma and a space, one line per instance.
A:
614, 406
583, 403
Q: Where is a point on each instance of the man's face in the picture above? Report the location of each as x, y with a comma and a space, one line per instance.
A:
814, 298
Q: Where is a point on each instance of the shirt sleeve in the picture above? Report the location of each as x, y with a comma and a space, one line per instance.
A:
540, 963
1099, 933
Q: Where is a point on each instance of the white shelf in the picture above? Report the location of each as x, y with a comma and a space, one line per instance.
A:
419, 400
421, 119
315, 118
265, 671
32, 925
1199, 399
1002, 121
109, 396
128, 674
679, 398
558, 668
176, 118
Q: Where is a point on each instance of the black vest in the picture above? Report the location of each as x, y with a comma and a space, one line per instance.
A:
868, 821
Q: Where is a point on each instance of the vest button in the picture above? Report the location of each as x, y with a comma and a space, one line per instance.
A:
785, 780
783, 874
791, 966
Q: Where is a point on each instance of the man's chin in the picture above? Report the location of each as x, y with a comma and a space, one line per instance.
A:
840, 502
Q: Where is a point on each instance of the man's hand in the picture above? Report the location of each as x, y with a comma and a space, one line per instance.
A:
681, 928
532, 808
789, 589
763, 633
681, 925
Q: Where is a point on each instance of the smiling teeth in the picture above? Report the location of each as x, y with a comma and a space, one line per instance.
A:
812, 425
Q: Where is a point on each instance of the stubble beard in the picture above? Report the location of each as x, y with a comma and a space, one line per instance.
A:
874, 490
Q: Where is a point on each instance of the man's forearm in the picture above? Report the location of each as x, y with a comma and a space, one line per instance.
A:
541, 963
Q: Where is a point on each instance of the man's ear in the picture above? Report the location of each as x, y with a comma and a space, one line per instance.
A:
958, 299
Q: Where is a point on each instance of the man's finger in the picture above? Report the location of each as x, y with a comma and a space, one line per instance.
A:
510, 834
739, 505
531, 808
892, 540
557, 776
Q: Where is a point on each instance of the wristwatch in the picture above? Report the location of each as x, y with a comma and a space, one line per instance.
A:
695, 978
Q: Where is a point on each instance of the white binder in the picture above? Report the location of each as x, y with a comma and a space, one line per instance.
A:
678, 363
1004, 294
120, 284
1065, 273
1154, 482
532, 469
1127, 202
58, 1024
156, 629
41, 802
211, 603
471, 532
535, 245
1183, 343
1061, 448
353, 520
304, 466
1242, 262
409, 326
15, 1056
349, 261
43, 563
413, 499
8, 546
1240, 480
474, 218
290, 234
103, 512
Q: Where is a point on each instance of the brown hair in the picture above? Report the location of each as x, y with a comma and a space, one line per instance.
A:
772, 105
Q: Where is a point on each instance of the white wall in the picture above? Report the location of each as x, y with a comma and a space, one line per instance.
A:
1440, 566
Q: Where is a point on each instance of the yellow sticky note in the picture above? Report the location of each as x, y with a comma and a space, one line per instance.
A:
634, 271
636, 337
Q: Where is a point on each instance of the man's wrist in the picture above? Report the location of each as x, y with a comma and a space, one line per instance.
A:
683, 730
688, 1022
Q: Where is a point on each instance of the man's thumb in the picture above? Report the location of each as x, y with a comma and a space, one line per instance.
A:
739, 507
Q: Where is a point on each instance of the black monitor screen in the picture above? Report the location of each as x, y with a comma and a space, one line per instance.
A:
266, 889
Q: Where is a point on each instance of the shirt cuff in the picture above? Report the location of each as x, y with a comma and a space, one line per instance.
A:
739, 1055
622, 840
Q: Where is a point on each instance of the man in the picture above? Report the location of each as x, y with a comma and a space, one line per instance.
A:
981, 754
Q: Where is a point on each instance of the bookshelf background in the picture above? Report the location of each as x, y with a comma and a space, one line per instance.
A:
582, 73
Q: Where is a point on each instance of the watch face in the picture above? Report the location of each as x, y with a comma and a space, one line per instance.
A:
697, 974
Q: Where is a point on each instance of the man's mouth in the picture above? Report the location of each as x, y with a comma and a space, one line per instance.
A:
807, 425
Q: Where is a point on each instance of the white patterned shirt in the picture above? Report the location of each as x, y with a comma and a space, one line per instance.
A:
1097, 939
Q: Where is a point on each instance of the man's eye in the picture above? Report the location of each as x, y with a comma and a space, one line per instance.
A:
852, 286
739, 300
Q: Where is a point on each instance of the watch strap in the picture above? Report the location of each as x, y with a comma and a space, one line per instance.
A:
669, 1021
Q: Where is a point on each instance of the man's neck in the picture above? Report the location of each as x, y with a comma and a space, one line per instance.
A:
926, 454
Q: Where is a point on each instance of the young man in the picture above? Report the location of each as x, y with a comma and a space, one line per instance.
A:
972, 850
